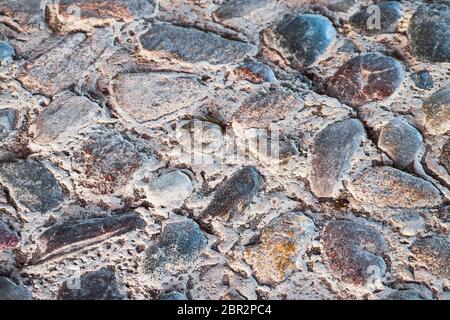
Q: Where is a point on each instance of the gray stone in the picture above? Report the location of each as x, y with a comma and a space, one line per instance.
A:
193, 45
8, 120
434, 252
8, 238
31, 184
96, 285
28, 13
150, 96
354, 251
437, 112
366, 21
404, 295
75, 235
429, 33
238, 8
179, 244
10, 291
400, 141
423, 80
331, 156
255, 72
171, 189
340, 5
173, 296
234, 194
302, 40
6, 51
366, 78
389, 187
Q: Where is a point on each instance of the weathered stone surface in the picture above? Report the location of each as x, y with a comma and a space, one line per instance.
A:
68, 15
423, 80
437, 112
434, 252
192, 45
235, 193
366, 78
238, 8
6, 51
31, 184
8, 238
389, 187
302, 40
261, 110
354, 251
107, 162
429, 33
280, 244
74, 235
340, 5
8, 120
404, 295
331, 156
400, 141
149, 96
61, 67
200, 136
28, 13
179, 244
10, 291
64, 116
255, 72
171, 189
173, 296
379, 18
95, 285
445, 156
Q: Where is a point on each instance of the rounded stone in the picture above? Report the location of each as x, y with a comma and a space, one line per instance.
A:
423, 80
366, 78
171, 189
429, 33
302, 40
400, 141
255, 72
437, 112
379, 18
6, 51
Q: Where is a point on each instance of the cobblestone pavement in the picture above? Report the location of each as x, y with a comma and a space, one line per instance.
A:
235, 149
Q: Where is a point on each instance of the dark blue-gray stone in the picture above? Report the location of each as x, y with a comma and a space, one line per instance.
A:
388, 13
423, 80
429, 33
6, 51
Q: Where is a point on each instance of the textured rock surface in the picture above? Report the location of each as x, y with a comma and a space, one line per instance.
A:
434, 253
437, 112
389, 13
366, 78
8, 238
332, 153
10, 291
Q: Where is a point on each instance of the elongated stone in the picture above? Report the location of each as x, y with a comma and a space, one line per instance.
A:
354, 251
366, 78
389, 187
10, 291
332, 152
192, 45
95, 285
255, 72
8, 238
31, 184
445, 156
437, 112
434, 252
149, 96
238, 8
72, 236
233, 195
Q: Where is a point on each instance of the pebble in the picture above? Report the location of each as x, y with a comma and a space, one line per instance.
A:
400, 141
366, 78
170, 92
95, 285
238, 8
281, 242
429, 33
173, 296
62, 66
331, 158
423, 80
107, 161
179, 244
263, 109
302, 40
8, 238
192, 45
445, 156
434, 253
68, 236
6, 51
255, 72
171, 189
354, 251
234, 194
10, 291
64, 117
31, 184
437, 112
366, 22
389, 187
